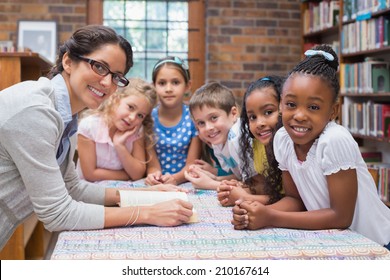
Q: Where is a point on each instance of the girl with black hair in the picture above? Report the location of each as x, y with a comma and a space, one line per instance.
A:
260, 119
323, 170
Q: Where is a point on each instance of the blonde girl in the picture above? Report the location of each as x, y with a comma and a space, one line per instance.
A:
116, 140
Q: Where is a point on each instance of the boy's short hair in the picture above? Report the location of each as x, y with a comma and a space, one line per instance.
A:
213, 95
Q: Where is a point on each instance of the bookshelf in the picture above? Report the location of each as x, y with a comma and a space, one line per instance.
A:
320, 24
360, 34
365, 81
30, 240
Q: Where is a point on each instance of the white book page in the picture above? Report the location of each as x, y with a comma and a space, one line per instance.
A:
144, 198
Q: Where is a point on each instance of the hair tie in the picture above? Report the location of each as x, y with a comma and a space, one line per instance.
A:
175, 60
327, 55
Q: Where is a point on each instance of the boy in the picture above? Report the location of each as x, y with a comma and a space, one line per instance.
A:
215, 114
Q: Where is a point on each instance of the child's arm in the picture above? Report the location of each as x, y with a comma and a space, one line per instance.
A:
87, 160
194, 152
206, 166
134, 162
342, 187
153, 169
201, 179
229, 193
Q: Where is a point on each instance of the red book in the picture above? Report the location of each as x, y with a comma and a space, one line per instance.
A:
386, 120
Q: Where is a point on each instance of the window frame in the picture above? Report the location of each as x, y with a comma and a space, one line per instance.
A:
196, 36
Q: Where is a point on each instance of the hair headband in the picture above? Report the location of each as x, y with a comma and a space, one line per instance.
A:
175, 60
326, 55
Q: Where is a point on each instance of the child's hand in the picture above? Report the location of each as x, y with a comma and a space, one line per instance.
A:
224, 193
196, 171
168, 179
120, 137
250, 215
205, 166
233, 182
240, 217
154, 178
201, 179
228, 194
167, 188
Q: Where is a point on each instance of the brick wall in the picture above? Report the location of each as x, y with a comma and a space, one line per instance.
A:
247, 39
69, 14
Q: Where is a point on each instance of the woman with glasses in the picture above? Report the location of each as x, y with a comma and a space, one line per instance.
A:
38, 121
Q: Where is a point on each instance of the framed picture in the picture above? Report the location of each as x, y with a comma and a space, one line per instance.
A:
39, 37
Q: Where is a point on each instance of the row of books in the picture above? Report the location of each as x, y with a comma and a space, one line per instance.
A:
370, 76
367, 118
381, 174
357, 10
8, 46
320, 15
365, 35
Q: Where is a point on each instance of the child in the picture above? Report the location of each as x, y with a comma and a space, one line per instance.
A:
323, 170
260, 119
177, 142
214, 111
114, 142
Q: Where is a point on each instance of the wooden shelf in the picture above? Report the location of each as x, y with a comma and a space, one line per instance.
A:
373, 15
357, 55
370, 95
334, 30
373, 138
21, 66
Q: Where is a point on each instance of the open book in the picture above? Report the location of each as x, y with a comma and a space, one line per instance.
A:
145, 198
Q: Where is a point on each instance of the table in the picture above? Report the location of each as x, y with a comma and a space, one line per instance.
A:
213, 238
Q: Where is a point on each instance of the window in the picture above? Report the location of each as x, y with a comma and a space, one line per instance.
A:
155, 29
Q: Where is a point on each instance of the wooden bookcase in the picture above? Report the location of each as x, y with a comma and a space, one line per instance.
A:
318, 28
30, 239
357, 20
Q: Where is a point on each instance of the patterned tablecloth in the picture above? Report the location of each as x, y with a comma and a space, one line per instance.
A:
213, 238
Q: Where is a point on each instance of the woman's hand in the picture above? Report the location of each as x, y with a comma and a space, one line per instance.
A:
169, 213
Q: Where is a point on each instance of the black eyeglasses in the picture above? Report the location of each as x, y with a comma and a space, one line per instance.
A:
102, 70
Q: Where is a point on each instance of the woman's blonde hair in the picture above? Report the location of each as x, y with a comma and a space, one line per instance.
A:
136, 86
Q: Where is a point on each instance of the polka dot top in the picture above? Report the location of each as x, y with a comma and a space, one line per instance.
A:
173, 142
